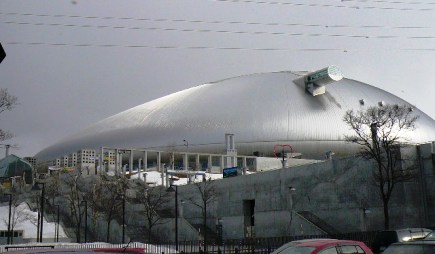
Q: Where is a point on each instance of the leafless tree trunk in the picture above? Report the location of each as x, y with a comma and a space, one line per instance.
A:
111, 190
380, 131
207, 195
153, 199
74, 199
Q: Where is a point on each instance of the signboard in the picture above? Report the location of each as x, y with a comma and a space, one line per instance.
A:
68, 169
313, 77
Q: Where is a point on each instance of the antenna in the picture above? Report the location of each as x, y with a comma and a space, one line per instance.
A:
7, 147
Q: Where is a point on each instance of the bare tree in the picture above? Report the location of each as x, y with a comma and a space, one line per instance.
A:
380, 131
7, 102
111, 193
18, 215
53, 187
74, 199
207, 195
153, 199
93, 201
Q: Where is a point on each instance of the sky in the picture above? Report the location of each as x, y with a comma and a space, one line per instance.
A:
73, 63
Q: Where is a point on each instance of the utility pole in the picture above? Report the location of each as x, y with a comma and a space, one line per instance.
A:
7, 150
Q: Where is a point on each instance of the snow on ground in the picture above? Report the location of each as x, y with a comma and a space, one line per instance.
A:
155, 178
29, 227
28, 222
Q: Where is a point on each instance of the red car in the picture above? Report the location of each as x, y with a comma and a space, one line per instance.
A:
323, 246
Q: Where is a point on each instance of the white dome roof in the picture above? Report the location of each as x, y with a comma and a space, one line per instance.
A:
261, 110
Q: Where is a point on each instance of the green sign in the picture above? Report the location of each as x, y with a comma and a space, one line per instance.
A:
317, 75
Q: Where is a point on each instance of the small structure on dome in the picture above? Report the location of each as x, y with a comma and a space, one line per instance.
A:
316, 81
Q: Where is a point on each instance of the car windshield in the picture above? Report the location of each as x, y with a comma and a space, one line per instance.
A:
297, 250
430, 236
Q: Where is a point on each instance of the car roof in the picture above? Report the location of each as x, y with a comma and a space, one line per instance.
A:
418, 242
324, 242
414, 230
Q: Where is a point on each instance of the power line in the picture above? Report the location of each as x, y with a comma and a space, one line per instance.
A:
168, 47
205, 47
223, 31
230, 22
324, 5
389, 2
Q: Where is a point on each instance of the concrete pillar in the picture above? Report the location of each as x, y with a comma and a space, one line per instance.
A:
255, 164
117, 168
159, 161
222, 163
244, 165
139, 167
210, 163
101, 162
130, 168
197, 162
159, 167
167, 177
145, 161
120, 164
186, 161
227, 141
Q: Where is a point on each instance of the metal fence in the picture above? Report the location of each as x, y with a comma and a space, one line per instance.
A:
258, 245
236, 246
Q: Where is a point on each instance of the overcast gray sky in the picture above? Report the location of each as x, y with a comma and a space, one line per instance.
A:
72, 63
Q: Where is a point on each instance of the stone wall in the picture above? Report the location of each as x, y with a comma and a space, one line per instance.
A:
340, 192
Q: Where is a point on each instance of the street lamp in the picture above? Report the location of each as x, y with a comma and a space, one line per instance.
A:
219, 230
9, 223
40, 218
291, 190
366, 211
56, 229
86, 219
175, 189
186, 143
123, 219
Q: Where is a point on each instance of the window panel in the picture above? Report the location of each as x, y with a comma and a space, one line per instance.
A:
348, 249
331, 250
359, 249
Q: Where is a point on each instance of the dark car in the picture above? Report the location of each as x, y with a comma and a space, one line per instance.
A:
323, 246
412, 247
384, 238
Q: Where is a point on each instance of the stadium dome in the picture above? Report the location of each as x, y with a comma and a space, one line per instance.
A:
261, 110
